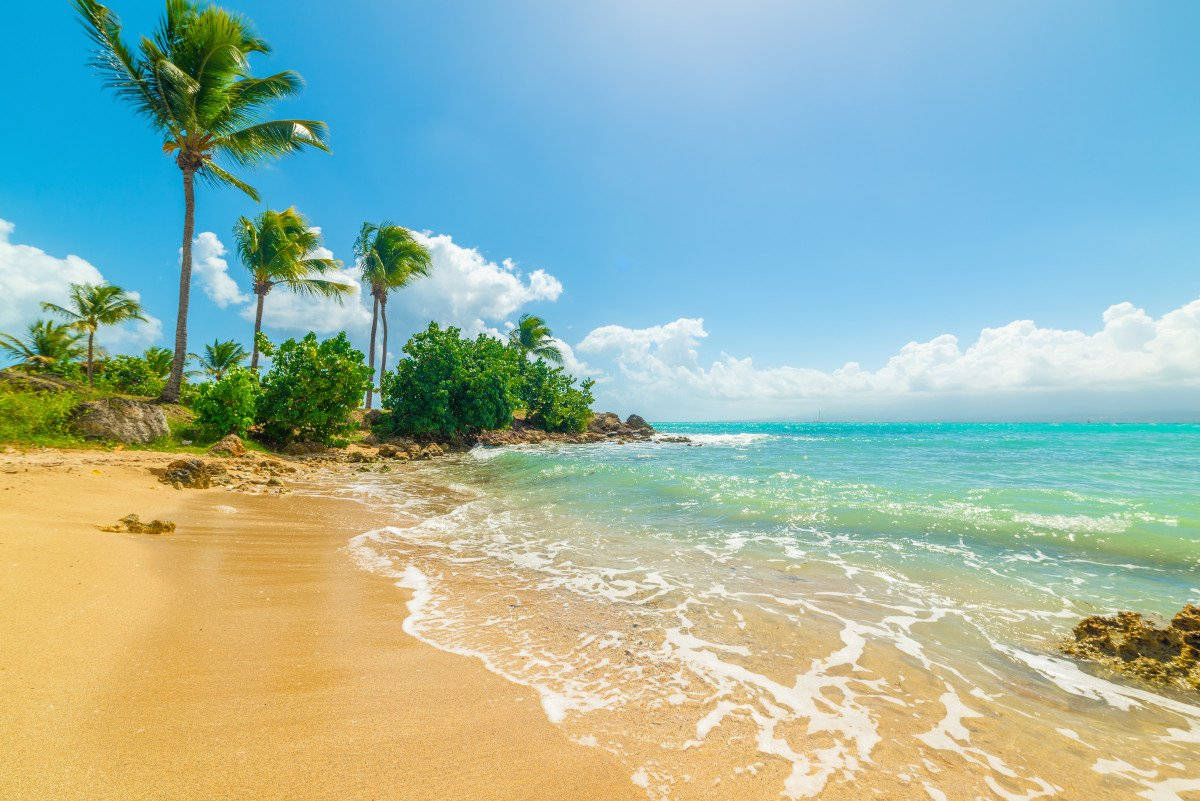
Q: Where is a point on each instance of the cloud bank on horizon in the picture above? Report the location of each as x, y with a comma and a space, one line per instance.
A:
29, 276
1133, 365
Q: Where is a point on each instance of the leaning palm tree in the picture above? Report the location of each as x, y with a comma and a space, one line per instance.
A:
94, 305
192, 82
47, 343
533, 336
220, 357
389, 257
278, 248
159, 360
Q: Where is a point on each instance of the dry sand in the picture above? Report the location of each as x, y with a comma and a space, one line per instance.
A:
244, 656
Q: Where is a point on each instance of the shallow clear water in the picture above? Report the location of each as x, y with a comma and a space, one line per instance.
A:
833, 610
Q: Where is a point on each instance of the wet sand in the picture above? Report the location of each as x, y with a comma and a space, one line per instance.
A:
244, 656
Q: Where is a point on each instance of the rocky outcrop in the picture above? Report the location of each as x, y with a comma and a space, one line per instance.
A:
603, 427
119, 420
132, 524
229, 445
1131, 644
34, 382
604, 422
193, 474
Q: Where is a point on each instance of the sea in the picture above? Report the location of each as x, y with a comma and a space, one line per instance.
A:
818, 610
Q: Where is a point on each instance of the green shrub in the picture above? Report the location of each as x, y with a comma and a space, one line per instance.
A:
311, 389
188, 393
131, 375
448, 385
551, 399
226, 406
33, 416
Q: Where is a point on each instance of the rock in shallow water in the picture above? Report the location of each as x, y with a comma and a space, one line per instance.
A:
1129, 643
192, 473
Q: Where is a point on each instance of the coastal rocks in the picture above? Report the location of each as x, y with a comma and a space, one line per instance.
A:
1131, 644
193, 474
119, 420
229, 445
132, 524
604, 422
303, 448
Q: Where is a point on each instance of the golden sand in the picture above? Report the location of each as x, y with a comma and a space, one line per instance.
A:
244, 656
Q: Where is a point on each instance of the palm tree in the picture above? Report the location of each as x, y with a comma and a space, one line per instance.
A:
159, 360
94, 305
192, 82
47, 343
532, 335
390, 257
220, 357
277, 247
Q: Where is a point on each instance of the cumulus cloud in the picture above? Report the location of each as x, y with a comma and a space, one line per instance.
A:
29, 275
466, 290
210, 268
1130, 352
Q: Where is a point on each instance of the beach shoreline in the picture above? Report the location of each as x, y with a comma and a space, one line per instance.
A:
244, 655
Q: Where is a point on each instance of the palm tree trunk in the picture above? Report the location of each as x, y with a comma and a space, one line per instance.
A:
383, 350
91, 353
371, 354
257, 327
170, 393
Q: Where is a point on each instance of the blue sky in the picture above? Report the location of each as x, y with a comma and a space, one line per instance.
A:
819, 182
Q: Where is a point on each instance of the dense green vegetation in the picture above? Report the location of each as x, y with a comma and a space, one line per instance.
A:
450, 386
130, 375
227, 405
35, 417
311, 389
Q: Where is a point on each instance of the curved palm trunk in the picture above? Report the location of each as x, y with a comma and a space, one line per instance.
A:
257, 327
170, 393
371, 354
383, 350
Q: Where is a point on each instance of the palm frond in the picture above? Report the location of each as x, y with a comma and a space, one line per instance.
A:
214, 174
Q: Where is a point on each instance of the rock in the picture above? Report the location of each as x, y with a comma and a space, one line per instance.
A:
132, 524
638, 423
433, 449
33, 382
1131, 644
303, 448
674, 439
604, 422
359, 457
229, 445
388, 451
192, 473
119, 420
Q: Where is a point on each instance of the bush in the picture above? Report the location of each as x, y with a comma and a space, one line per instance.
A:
131, 375
226, 406
551, 399
449, 385
34, 416
311, 389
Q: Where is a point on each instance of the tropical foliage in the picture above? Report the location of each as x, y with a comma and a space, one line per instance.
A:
191, 81
533, 337
448, 385
48, 346
159, 361
280, 248
132, 375
94, 305
227, 405
552, 400
389, 257
311, 389
220, 357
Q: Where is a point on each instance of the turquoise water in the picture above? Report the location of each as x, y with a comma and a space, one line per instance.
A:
814, 609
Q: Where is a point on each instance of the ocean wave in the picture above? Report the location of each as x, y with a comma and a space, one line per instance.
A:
733, 440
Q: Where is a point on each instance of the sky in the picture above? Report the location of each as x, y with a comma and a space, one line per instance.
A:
754, 210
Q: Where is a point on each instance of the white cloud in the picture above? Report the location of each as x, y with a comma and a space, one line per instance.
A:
290, 311
212, 270
29, 275
1131, 353
466, 290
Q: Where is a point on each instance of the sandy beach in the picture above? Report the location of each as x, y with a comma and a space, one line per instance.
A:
244, 656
